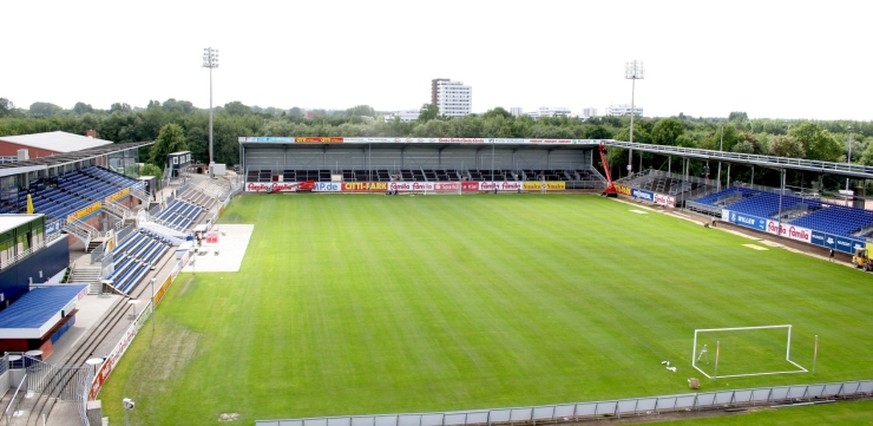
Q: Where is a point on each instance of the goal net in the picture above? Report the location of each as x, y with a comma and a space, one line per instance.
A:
744, 351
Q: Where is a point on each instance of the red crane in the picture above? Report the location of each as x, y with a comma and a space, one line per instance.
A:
610, 186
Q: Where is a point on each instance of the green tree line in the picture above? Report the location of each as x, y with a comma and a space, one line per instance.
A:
814, 140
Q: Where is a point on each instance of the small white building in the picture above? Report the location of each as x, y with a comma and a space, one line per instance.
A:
544, 112
405, 116
620, 110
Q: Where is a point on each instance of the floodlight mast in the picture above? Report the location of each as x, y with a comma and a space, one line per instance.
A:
210, 60
633, 71
849, 157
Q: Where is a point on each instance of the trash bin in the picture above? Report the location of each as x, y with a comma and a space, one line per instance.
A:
32, 356
15, 361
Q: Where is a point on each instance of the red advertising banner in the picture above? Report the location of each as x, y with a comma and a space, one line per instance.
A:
447, 186
110, 362
665, 200
318, 139
272, 186
467, 186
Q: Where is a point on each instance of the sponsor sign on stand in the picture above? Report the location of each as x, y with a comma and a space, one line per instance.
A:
789, 231
328, 187
536, 185
643, 195
118, 195
847, 245
447, 186
272, 186
500, 186
622, 189
364, 186
665, 200
79, 214
53, 226
747, 220
410, 186
820, 239
318, 139
467, 186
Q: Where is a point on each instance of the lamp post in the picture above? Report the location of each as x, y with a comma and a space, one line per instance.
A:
720, 149
849, 157
210, 60
128, 405
633, 71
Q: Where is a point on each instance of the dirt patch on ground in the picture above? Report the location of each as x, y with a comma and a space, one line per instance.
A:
229, 417
157, 369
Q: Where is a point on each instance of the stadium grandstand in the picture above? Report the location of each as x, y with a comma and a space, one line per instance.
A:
78, 218
462, 165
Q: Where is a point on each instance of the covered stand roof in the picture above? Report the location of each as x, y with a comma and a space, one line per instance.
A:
37, 312
57, 141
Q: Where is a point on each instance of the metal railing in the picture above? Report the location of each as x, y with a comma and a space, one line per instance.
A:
53, 380
13, 404
83, 385
82, 230
620, 408
22, 254
855, 170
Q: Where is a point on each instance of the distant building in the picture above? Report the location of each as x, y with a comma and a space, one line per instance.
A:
623, 109
516, 111
452, 98
404, 116
544, 112
589, 112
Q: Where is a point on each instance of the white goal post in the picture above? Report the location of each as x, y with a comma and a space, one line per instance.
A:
706, 353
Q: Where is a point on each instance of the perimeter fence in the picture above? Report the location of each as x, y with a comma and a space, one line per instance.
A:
597, 410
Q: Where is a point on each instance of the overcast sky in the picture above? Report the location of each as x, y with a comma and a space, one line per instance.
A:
776, 59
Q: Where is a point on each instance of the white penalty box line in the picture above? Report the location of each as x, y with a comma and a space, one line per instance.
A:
697, 355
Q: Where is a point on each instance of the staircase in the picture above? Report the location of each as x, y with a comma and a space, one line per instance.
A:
82, 231
140, 195
118, 211
89, 275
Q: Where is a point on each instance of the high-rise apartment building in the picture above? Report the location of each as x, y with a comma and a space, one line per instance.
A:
452, 98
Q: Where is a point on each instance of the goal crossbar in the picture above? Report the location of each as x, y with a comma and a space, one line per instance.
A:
697, 353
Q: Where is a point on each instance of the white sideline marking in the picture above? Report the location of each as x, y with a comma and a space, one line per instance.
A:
755, 247
638, 211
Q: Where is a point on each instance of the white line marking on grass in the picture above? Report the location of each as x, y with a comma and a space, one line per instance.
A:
638, 211
755, 247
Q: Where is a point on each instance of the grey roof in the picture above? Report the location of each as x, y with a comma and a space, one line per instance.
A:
56, 141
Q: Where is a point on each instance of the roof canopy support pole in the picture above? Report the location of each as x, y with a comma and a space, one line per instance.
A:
718, 177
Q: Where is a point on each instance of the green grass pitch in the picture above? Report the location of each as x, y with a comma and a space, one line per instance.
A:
370, 304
